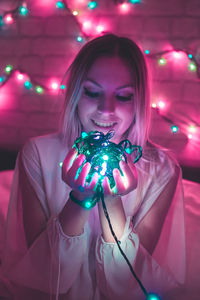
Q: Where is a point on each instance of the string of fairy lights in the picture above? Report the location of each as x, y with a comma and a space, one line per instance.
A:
87, 30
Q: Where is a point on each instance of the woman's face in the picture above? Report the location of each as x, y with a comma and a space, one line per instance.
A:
107, 100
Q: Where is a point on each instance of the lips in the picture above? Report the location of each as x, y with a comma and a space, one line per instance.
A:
104, 124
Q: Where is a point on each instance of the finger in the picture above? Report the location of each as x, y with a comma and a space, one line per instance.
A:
80, 180
131, 165
73, 172
129, 177
69, 159
70, 176
92, 185
106, 187
120, 181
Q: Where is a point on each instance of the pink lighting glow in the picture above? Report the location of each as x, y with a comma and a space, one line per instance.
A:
87, 24
192, 129
6, 98
161, 104
81, 1
178, 58
20, 76
154, 105
100, 28
9, 19
87, 27
124, 8
178, 54
54, 85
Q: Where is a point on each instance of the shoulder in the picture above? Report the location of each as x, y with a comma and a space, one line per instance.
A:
42, 144
160, 161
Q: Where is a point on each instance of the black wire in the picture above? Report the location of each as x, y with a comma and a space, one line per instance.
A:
101, 196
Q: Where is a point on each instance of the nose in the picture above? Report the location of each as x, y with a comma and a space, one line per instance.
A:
106, 104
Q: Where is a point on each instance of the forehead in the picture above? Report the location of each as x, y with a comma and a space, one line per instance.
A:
110, 68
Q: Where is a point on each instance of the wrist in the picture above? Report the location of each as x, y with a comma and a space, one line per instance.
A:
87, 202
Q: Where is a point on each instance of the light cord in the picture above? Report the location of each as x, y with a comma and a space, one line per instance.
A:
101, 196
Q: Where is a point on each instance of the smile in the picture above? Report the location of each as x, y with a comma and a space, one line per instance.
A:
100, 124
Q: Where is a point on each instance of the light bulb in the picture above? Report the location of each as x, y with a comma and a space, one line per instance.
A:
9, 19
92, 4
174, 128
39, 89
162, 61
8, 69
28, 85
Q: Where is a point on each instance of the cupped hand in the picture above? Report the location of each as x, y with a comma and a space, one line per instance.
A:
125, 182
77, 180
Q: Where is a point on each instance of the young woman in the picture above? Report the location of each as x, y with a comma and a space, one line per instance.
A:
57, 248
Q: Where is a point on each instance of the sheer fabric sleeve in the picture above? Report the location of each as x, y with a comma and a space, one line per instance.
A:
45, 265
161, 272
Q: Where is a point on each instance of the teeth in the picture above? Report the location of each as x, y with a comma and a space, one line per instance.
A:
104, 124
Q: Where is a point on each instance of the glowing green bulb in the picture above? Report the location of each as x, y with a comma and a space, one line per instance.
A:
79, 39
61, 163
62, 87
128, 150
190, 56
39, 89
135, 1
84, 134
28, 85
23, 10
92, 4
192, 67
60, 4
174, 128
1, 21
147, 51
153, 297
88, 204
162, 61
1, 79
8, 69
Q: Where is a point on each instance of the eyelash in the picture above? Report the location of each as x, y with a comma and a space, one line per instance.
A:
96, 94
90, 94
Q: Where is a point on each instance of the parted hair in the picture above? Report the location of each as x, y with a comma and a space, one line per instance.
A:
108, 45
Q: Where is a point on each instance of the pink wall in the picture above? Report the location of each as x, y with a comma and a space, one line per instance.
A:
43, 44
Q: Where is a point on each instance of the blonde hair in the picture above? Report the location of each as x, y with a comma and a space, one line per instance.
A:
111, 45
107, 45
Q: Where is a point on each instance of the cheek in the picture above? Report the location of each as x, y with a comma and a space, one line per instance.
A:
128, 113
84, 106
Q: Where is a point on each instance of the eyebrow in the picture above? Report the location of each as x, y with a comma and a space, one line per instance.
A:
120, 87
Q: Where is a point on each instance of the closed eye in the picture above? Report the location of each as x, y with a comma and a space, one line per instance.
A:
90, 94
125, 98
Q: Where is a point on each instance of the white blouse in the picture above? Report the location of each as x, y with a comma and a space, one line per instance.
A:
86, 267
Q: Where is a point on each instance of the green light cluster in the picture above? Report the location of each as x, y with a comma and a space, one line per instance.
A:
103, 155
